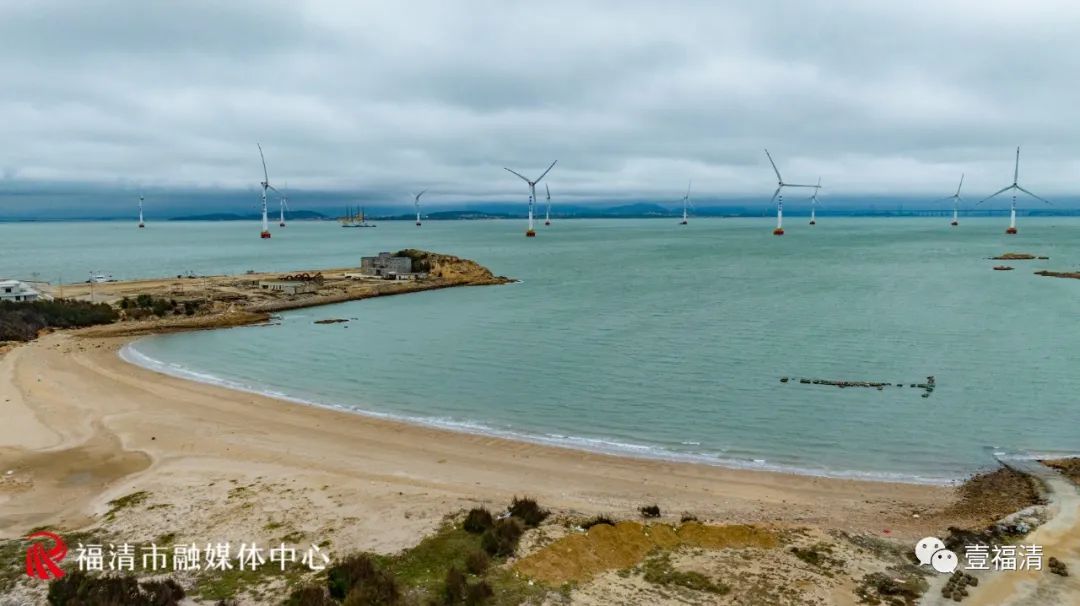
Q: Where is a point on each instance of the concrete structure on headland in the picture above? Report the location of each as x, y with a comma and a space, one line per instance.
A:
289, 287
19, 292
387, 266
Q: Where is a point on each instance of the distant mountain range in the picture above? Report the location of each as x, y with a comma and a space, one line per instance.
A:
319, 210
293, 215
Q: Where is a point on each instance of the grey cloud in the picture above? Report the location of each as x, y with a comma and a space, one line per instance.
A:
633, 98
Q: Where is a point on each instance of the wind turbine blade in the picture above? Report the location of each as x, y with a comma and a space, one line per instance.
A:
775, 170
548, 190
518, 174
1002, 190
816, 187
688, 185
775, 193
546, 172
961, 184
1034, 196
266, 176
1016, 169
420, 194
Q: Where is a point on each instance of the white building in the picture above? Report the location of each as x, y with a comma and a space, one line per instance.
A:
14, 290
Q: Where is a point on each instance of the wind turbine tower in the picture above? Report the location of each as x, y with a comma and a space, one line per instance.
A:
284, 206
813, 203
1015, 187
778, 195
416, 201
686, 204
141, 223
265, 234
956, 202
547, 214
531, 233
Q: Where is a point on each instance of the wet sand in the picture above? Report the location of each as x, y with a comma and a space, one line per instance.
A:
82, 427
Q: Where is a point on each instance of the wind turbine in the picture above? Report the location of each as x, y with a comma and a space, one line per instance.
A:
416, 201
779, 197
141, 223
956, 202
814, 203
531, 233
547, 215
1015, 186
686, 204
284, 205
265, 234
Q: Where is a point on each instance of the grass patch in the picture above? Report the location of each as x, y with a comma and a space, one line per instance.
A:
448, 567
132, 500
578, 557
293, 538
878, 587
818, 555
12, 554
80, 587
425, 566
658, 570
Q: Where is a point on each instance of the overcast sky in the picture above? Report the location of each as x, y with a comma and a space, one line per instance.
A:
632, 98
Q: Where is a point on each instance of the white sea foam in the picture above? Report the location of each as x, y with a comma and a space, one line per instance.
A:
591, 444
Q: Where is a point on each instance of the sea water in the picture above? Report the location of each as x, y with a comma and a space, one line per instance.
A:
646, 338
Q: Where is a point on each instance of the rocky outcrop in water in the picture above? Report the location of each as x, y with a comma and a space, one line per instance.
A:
927, 387
1017, 257
1059, 274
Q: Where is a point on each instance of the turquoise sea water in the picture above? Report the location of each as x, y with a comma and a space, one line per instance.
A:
647, 338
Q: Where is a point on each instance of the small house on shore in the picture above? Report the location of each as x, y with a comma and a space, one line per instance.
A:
14, 290
289, 287
386, 265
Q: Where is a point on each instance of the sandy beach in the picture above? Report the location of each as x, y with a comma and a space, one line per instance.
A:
90, 441
107, 428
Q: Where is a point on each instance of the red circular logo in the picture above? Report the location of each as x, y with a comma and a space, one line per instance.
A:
45, 564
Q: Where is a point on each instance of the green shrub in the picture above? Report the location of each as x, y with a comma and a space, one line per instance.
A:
478, 520
650, 511
477, 562
379, 590
478, 593
79, 588
352, 571
454, 587
502, 539
22, 321
528, 511
311, 595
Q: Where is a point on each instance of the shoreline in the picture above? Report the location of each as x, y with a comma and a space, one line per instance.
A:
132, 356
168, 435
